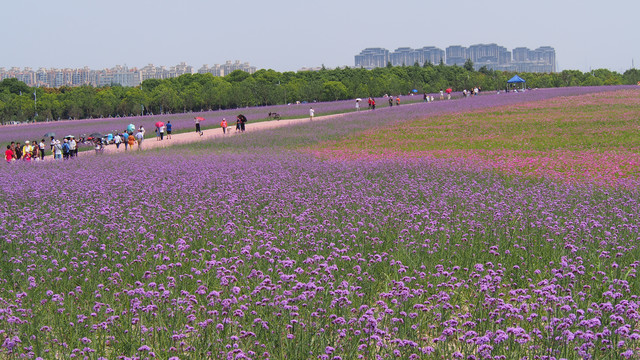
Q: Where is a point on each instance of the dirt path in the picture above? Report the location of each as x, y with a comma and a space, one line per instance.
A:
190, 137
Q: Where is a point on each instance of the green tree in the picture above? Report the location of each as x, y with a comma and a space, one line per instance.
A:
14, 86
631, 77
334, 90
164, 98
192, 97
468, 65
106, 102
134, 102
237, 76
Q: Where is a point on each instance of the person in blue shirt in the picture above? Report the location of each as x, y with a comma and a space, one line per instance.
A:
66, 150
168, 130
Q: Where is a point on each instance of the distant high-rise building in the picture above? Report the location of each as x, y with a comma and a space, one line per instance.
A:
402, 56
490, 56
371, 58
456, 55
430, 54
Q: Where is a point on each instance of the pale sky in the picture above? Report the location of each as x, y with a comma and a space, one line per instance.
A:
286, 35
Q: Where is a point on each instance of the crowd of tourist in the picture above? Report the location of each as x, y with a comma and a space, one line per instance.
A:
68, 147
36, 150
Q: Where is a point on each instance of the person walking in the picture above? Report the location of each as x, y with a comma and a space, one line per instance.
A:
57, 150
197, 121
66, 150
168, 130
358, 105
441, 94
117, 140
52, 145
311, 113
139, 139
131, 140
125, 140
373, 104
73, 147
243, 122
390, 101
398, 100
161, 130
41, 147
223, 125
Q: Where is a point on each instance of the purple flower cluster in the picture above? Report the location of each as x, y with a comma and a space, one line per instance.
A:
274, 254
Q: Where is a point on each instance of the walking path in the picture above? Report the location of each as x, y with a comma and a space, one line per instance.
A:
190, 137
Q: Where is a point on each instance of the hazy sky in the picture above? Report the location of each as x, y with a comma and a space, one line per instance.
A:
286, 35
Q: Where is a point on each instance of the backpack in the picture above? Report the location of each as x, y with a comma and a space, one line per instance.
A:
65, 148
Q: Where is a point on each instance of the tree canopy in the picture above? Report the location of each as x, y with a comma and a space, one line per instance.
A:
199, 92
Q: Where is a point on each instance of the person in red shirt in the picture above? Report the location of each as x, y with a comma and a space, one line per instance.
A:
223, 125
8, 154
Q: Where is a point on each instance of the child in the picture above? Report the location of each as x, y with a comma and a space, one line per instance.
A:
223, 125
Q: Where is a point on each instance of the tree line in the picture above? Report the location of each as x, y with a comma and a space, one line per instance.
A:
201, 92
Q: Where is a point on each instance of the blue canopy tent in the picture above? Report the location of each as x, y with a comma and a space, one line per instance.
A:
517, 80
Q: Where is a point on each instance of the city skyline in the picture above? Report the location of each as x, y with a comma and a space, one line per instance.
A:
287, 35
492, 56
119, 74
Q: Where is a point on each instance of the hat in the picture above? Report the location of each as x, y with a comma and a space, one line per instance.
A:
26, 142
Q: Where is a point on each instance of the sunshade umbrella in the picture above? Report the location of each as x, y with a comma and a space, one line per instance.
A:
96, 135
159, 124
49, 134
131, 128
358, 99
70, 136
448, 91
199, 118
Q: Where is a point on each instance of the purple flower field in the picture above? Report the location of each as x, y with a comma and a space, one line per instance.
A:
225, 252
179, 121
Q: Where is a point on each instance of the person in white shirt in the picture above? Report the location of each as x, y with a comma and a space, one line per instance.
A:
311, 113
73, 147
41, 147
117, 140
57, 149
139, 139
52, 145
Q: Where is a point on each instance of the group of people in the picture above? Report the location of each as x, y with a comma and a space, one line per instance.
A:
35, 151
129, 139
473, 92
160, 131
241, 122
68, 147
